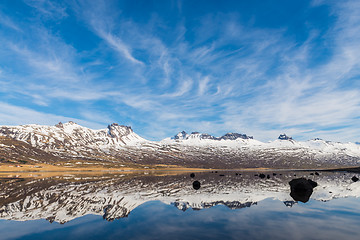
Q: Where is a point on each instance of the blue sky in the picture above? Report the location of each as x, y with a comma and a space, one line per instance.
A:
254, 67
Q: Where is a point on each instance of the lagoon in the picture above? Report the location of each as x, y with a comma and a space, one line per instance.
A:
230, 205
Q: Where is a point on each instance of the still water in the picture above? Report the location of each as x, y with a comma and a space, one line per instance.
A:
214, 205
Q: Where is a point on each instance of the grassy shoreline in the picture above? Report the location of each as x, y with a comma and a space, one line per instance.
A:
42, 168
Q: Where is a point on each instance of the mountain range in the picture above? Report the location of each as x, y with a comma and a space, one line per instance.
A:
118, 145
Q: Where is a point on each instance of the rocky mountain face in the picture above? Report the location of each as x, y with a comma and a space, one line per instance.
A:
72, 136
118, 144
200, 136
70, 140
65, 198
284, 137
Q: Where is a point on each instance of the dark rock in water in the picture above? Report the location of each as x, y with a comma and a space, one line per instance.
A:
236, 174
215, 171
311, 174
256, 175
192, 175
294, 175
262, 175
313, 184
317, 174
355, 179
268, 176
221, 175
301, 189
280, 174
274, 174
196, 185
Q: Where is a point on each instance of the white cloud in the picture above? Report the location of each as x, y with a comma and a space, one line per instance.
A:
48, 9
117, 44
8, 22
183, 88
203, 85
253, 80
16, 115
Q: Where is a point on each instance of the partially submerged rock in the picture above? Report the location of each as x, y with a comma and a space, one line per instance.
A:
301, 189
196, 185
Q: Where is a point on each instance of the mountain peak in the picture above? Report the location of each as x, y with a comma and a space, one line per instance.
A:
116, 125
59, 125
284, 137
69, 123
197, 135
118, 131
181, 136
234, 136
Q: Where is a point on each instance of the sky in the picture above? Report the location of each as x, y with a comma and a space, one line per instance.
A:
256, 67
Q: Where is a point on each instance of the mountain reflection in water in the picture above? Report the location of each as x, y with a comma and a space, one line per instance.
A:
65, 198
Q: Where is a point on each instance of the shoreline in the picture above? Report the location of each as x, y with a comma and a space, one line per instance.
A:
42, 168
47, 168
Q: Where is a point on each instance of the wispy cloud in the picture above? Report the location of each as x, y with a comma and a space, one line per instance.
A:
203, 85
218, 74
15, 115
184, 87
48, 9
8, 22
99, 17
118, 45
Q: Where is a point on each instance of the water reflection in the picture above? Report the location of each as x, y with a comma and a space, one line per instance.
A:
64, 198
238, 205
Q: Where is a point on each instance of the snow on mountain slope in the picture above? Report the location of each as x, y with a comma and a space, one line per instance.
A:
232, 150
232, 140
73, 138
236, 140
317, 146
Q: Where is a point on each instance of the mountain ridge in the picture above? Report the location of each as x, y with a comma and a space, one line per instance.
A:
119, 144
183, 135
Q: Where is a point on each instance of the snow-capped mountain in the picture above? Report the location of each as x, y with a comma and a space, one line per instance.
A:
113, 197
71, 139
118, 144
181, 136
71, 135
